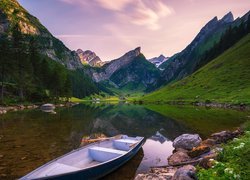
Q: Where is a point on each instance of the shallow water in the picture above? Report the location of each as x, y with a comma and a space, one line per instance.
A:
30, 138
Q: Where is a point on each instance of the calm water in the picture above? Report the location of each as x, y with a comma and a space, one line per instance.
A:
28, 139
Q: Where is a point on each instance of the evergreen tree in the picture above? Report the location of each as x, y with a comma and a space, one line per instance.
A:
5, 62
23, 65
248, 24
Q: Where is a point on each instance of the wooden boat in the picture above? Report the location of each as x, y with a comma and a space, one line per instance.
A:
90, 162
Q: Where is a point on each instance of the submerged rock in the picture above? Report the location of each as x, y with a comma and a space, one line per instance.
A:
152, 176
187, 141
177, 158
158, 174
185, 173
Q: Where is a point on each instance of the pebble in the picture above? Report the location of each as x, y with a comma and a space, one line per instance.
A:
23, 158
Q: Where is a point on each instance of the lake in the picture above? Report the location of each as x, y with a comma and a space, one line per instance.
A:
30, 138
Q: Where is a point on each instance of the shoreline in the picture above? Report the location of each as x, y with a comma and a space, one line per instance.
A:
183, 162
241, 106
21, 107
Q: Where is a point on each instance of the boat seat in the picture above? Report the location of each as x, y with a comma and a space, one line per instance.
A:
124, 144
56, 168
102, 154
132, 141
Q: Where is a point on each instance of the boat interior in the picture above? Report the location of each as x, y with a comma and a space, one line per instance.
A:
87, 157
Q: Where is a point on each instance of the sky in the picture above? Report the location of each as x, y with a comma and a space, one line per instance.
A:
110, 28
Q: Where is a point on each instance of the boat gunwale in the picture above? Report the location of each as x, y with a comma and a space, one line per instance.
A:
26, 177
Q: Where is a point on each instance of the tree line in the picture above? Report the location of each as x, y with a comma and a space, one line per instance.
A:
26, 75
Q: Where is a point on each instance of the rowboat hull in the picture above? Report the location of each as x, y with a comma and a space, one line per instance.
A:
101, 170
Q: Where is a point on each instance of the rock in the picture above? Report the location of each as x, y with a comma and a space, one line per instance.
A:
185, 173
168, 171
152, 176
206, 161
197, 151
187, 141
178, 158
224, 136
209, 142
180, 149
1, 156
23, 158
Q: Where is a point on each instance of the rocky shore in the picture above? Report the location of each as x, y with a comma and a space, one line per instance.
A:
6, 109
190, 152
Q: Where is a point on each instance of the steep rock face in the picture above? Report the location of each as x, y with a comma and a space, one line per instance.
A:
131, 71
108, 69
89, 57
184, 63
11, 12
137, 74
157, 61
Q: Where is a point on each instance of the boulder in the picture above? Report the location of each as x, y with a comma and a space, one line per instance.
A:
185, 173
187, 141
224, 136
177, 158
206, 161
197, 151
180, 149
209, 142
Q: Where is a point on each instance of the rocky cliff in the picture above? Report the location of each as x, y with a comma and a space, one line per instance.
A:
108, 69
89, 57
12, 13
130, 71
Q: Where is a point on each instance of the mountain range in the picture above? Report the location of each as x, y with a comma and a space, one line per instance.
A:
130, 72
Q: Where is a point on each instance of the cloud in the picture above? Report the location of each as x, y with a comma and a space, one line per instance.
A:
149, 14
145, 13
117, 5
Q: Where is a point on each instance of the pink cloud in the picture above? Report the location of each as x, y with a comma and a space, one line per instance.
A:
141, 12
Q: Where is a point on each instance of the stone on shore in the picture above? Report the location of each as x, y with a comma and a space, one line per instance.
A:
178, 157
185, 173
224, 136
206, 161
187, 141
197, 151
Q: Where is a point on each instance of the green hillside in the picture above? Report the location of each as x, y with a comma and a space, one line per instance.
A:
224, 79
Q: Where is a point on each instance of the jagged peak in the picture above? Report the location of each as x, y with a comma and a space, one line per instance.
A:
228, 18
136, 52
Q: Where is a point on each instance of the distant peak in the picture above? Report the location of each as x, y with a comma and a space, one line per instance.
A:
161, 56
79, 51
138, 49
228, 17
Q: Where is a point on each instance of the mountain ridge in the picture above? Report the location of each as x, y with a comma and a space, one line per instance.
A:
184, 63
11, 13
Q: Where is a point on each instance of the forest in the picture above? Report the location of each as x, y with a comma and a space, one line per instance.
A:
27, 75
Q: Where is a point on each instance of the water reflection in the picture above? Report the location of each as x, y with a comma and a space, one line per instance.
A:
30, 138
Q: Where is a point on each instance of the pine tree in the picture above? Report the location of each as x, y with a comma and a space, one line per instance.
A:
248, 24
5, 62
23, 65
